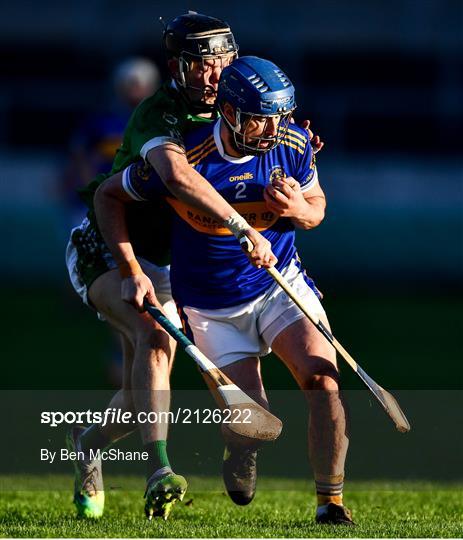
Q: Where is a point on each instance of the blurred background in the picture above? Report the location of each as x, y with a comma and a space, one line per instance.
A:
382, 83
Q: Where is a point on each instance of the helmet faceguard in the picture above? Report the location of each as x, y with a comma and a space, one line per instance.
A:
186, 62
259, 92
195, 39
249, 145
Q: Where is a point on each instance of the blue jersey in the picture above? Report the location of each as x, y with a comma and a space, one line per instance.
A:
208, 267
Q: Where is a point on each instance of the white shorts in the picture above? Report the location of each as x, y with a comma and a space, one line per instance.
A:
159, 275
231, 334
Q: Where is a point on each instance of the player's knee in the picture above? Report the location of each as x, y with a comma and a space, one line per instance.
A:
327, 381
152, 338
158, 362
154, 350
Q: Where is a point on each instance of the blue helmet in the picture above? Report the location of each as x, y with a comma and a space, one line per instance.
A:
256, 88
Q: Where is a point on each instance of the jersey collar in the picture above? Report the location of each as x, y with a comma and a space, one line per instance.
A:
220, 149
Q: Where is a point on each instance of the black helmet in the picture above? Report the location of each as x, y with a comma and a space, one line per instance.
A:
198, 35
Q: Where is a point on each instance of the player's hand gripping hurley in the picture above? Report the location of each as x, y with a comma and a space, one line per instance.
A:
258, 423
386, 399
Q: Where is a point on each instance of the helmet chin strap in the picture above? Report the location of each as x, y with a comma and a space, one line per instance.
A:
233, 130
237, 128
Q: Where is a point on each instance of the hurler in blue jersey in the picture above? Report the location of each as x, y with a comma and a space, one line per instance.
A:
264, 166
208, 268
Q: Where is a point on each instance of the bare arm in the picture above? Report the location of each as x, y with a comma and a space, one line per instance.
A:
185, 183
285, 198
189, 186
109, 202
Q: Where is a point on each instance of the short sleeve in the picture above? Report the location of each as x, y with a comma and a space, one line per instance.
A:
158, 120
154, 127
142, 183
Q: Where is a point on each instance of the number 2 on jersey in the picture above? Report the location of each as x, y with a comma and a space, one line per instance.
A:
240, 189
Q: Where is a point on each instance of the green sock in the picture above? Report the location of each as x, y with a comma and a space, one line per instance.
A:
93, 438
157, 456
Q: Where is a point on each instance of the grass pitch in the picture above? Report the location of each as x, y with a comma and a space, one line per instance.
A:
282, 508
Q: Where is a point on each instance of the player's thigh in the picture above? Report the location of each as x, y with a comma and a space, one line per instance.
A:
307, 354
105, 296
245, 373
160, 277
170, 309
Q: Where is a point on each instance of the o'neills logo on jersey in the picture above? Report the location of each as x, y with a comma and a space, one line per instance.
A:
277, 173
241, 177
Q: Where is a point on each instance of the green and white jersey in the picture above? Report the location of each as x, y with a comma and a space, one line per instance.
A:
162, 118
159, 119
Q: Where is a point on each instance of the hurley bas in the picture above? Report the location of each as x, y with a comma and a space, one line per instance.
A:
112, 454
